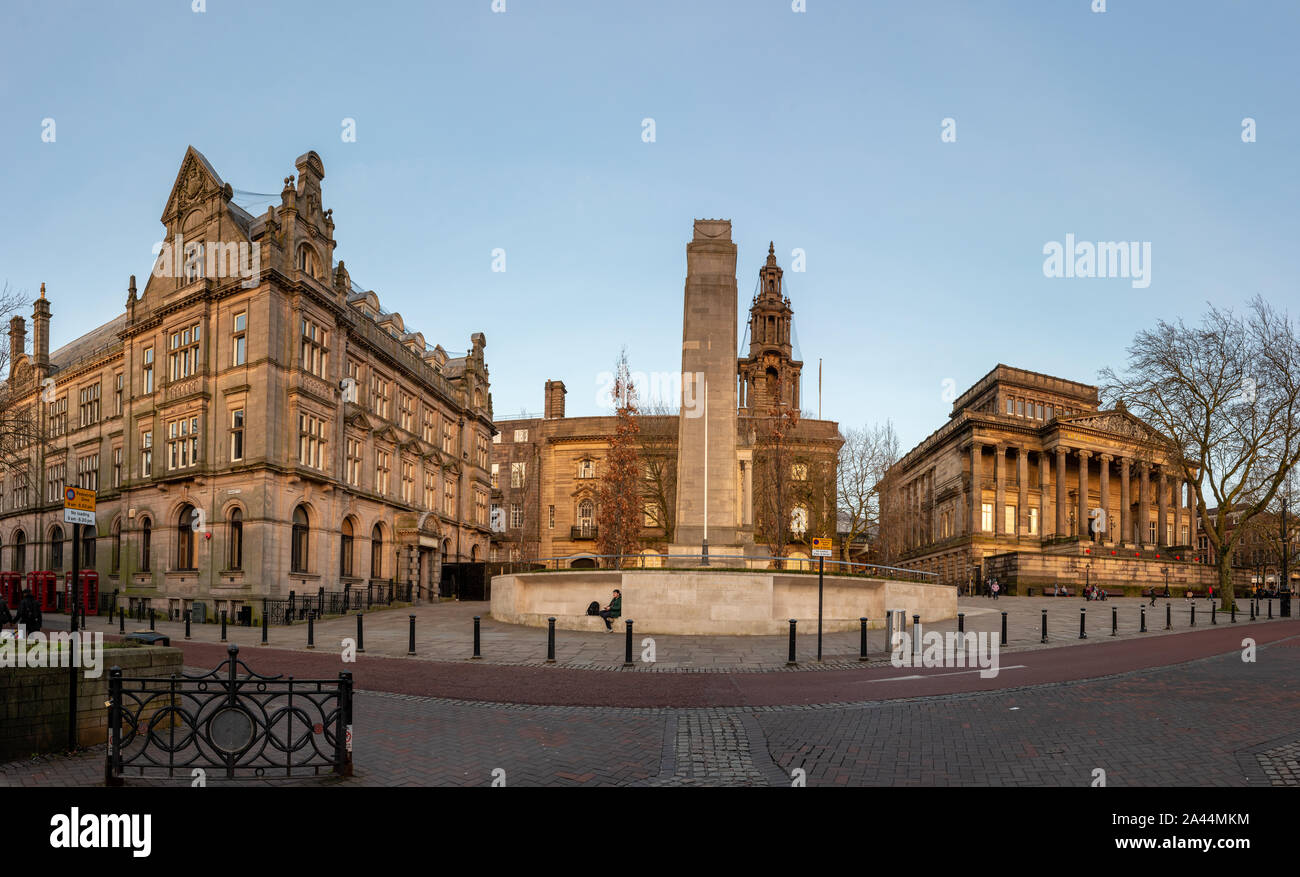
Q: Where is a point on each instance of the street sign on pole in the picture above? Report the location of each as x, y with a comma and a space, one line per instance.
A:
78, 509
821, 547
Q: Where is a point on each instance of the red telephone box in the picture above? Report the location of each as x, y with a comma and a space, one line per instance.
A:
89, 581
44, 586
11, 588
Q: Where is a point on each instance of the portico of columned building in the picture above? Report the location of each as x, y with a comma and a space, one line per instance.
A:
1031, 483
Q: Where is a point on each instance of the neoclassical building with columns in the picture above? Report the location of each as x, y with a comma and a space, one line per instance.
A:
1031, 483
254, 422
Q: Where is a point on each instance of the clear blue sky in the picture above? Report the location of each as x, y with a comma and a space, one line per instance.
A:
818, 130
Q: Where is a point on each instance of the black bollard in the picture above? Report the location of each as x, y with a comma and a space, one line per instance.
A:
311, 628
1114, 621
961, 622
1169, 617
121, 620
1143, 629
1252, 609
1083, 621
1193, 614
476, 654
550, 640
1270, 608
361, 635
223, 625
916, 639
791, 662
410, 648
1044, 625
152, 620
266, 621
1214, 613
1234, 613
187, 624
627, 646
862, 645
1004, 628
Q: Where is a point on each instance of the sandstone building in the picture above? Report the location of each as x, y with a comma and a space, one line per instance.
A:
546, 471
254, 422
1031, 483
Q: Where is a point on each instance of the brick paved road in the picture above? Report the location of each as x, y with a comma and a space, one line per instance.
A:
1213, 721
444, 632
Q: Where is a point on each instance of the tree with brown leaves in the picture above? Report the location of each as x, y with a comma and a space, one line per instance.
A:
619, 503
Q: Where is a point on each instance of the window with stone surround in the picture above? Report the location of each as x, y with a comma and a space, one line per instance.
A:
183, 353
239, 340
183, 443
311, 441
353, 462
88, 404
315, 348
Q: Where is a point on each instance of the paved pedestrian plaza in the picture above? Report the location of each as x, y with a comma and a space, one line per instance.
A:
1178, 707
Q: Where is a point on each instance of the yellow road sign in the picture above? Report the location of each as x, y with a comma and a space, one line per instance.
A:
818, 542
79, 498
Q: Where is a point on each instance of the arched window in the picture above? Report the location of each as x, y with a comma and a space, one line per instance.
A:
307, 260
376, 552
586, 514
345, 549
116, 556
56, 548
236, 559
146, 543
298, 547
185, 538
20, 552
446, 551
89, 537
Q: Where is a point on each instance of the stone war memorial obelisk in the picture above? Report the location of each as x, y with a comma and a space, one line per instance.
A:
708, 505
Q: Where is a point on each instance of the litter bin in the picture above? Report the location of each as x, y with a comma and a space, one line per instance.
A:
198, 613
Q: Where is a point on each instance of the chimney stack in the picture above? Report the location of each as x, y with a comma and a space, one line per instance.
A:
554, 407
41, 332
17, 342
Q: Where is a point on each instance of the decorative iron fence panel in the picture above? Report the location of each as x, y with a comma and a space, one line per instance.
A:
244, 725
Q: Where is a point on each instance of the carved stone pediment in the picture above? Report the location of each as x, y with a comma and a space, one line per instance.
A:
1117, 422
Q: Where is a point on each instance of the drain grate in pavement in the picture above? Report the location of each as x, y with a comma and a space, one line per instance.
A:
1281, 764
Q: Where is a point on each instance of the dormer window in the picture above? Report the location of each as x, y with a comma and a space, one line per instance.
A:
307, 262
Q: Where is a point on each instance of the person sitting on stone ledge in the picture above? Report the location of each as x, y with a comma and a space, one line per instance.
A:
613, 610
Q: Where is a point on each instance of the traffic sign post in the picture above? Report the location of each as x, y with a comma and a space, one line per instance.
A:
78, 509
821, 549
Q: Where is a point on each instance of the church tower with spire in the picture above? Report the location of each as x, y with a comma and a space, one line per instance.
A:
769, 375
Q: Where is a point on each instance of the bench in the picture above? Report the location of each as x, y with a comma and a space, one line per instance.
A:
1052, 592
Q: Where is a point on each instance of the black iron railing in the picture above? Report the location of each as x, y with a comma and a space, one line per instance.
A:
229, 719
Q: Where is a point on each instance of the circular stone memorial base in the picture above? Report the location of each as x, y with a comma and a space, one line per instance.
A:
694, 602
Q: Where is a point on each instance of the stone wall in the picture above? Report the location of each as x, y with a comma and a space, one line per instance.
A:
695, 602
34, 700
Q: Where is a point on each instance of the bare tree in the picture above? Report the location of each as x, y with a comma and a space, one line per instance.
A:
659, 463
775, 494
1226, 395
21, 435
865, 459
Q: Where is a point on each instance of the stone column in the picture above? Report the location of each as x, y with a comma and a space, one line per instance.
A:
1022, 495
1061, 495
1144, 505
1162, 509
976, 490
1108, 528
1125, 502
1083, 493
930, 522
999, 488
1044, 470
